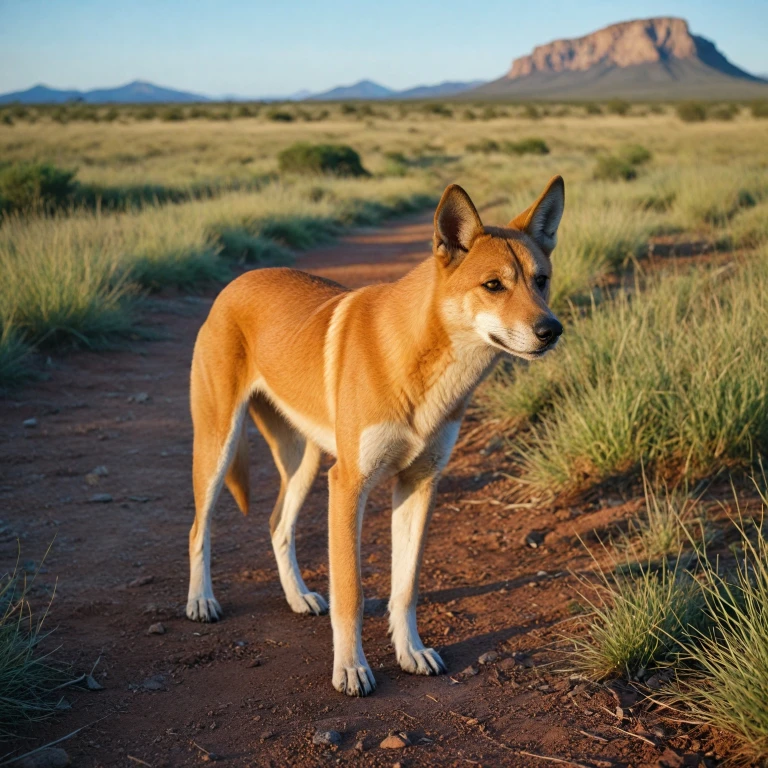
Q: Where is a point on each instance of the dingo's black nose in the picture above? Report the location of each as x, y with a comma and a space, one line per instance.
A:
548, 330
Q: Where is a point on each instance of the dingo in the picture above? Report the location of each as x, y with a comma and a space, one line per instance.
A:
378, 377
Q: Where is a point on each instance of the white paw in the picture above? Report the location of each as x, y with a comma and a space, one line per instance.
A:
205, 609
354, 681
309, 603
424, 661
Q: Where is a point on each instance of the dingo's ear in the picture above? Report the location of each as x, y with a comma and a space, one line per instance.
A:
542, 219
457, 224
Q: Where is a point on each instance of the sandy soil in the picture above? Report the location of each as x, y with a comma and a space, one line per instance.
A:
255, 688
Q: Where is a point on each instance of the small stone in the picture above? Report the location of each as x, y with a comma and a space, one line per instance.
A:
92, 684
100, 471
359, 746
156, 629
140, 398
141, 581
91, 479
470, 671
48, 758
395, 741
156, 683
653, 682
253, 663
29, 424
327, 738
488, 657
100, 498
265, 735
534, 539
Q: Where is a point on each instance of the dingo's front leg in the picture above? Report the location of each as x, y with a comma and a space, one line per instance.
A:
412, 503
351, 673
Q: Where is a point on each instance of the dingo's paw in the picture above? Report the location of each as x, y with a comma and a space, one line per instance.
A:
354, 681
425, 661
206, 609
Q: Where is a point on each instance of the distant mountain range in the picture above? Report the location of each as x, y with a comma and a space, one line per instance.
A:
368, 90
137, 92
655, 58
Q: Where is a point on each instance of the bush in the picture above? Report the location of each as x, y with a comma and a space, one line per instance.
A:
617, 107
485, 146
612, 168
335, 159
593, 109
692, 112
438, 109
532, 112
7, 119
529, 146
490, 113
172, 114
759, 108
468, 114
280, 116
635, 154
724, 112
27, 185
656, 109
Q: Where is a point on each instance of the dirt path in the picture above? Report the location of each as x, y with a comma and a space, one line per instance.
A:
254, 688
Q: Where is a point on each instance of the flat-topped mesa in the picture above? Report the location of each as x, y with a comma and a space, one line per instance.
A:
627, 44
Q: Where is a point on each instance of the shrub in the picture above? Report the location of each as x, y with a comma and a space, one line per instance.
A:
280, 116
334, 159
692, 112
612, 168
172, 114
27, 185
635, 154
438, 109
724, 112
656, 109
529, 146
490, 113
145, 113
532, 112
759, 108
593, 109
468, 114
484, 146
111, 115
617, 107
6, 119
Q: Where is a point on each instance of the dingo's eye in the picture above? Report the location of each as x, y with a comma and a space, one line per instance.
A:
493, 286
541, 282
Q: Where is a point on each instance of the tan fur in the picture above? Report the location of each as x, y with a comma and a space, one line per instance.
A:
379, 378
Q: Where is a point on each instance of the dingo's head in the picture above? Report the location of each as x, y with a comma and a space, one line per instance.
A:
496, 279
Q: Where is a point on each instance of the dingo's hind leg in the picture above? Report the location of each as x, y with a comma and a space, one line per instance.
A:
218, 438
297, 460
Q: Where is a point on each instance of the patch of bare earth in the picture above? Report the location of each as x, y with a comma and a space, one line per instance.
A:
255, 688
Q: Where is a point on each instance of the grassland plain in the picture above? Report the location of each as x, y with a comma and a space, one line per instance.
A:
663, 365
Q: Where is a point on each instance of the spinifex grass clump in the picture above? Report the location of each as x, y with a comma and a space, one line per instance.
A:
331, 159
28, 677
725, 682
636, 622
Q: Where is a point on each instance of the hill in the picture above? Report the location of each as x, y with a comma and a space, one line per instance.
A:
654, 58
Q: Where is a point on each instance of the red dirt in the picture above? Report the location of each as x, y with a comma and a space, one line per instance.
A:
254, 688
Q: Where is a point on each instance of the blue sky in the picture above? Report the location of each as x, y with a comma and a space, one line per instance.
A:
259, 48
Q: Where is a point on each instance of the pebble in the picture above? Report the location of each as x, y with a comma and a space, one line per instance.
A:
327, 738
395, 741
488, 657
48, 758
140, 397
470, 671
92, 684
100, 498
156, 629
534, 539
29, 424
141, 581
359, 746
156, 683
